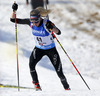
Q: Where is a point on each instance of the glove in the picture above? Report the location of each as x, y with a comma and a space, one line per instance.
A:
15, 6
49, 25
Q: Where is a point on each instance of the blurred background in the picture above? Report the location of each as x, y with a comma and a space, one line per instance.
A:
79, 22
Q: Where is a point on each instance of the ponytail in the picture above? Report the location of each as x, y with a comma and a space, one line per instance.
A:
43, 12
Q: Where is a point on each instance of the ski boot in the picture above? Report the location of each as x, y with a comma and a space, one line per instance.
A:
37, 87
67, 89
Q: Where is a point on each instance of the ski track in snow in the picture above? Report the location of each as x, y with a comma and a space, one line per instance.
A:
80, 38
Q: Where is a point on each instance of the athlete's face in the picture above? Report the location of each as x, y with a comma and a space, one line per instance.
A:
36, 23
35, 20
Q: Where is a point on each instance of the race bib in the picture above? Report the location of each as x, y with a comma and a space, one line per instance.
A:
46, 42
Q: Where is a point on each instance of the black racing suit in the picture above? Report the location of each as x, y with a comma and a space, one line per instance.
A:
37, 54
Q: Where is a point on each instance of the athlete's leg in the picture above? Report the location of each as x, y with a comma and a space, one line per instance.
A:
55, 59
35, 57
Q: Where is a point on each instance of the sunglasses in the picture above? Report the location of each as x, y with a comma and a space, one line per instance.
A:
34, 20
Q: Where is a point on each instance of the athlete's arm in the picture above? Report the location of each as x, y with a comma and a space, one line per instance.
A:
19, 21
56, 30
53, 28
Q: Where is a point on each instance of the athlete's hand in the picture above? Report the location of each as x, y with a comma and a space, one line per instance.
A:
15, 6
49, 25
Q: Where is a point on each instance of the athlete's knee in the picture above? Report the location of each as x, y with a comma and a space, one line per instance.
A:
60, 73
32, 64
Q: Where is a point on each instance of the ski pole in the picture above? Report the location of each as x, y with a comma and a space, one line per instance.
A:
71, 60
17, 49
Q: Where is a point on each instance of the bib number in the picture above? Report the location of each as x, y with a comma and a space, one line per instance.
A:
40, 41
44, 41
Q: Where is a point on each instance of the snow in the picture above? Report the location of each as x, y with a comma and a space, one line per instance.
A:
79, 21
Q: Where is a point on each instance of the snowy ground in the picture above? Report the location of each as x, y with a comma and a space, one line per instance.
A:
79, 22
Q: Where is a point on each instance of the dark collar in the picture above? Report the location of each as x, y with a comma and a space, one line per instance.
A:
41, 22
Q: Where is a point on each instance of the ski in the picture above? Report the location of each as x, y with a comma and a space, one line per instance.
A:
14, 86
